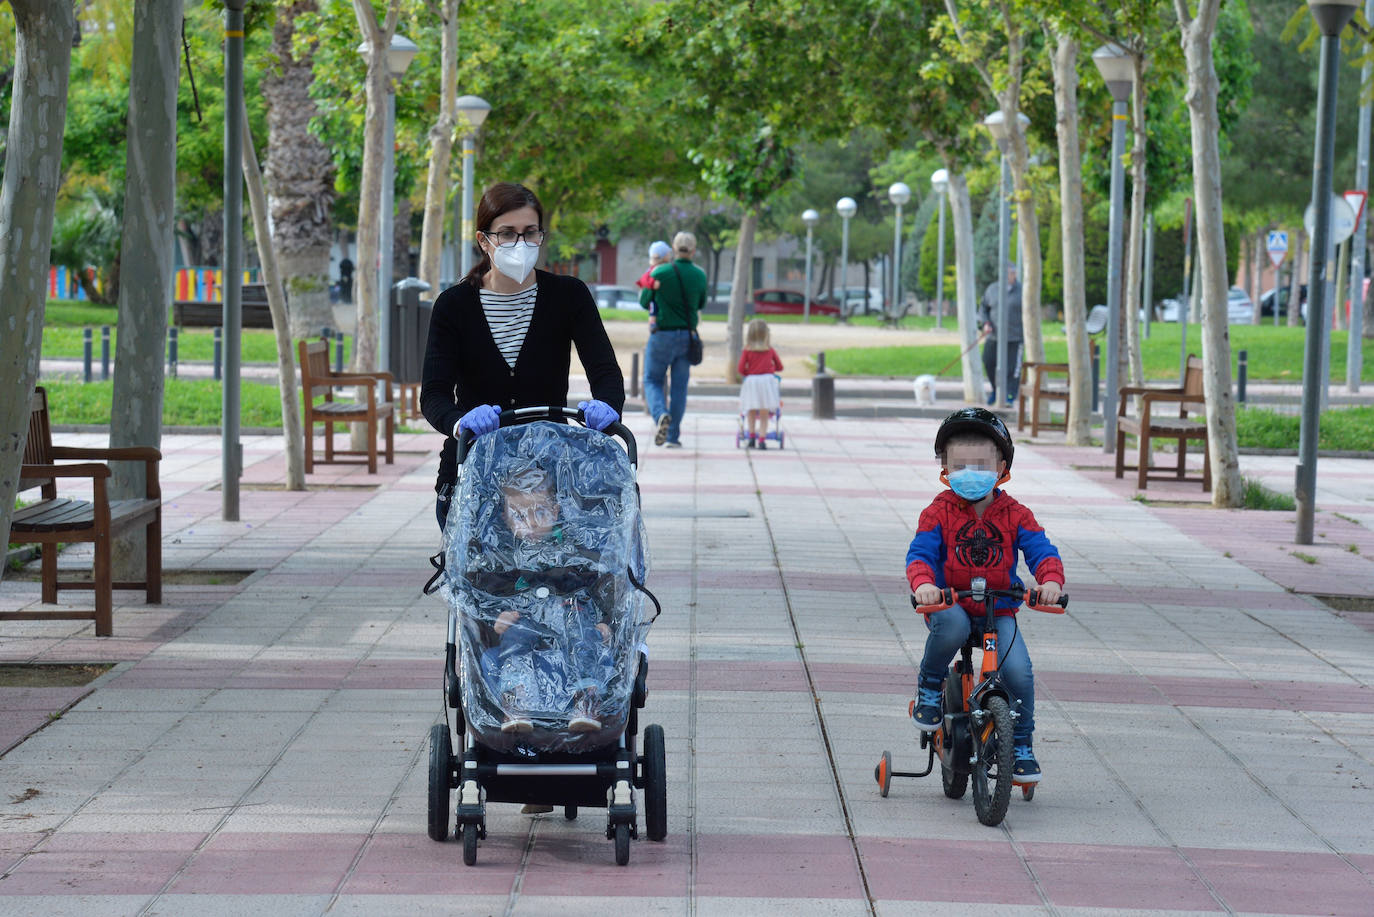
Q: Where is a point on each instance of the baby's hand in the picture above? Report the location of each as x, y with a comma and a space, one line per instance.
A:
504, 621
929, 594
605, 630
657, 284
1049, 593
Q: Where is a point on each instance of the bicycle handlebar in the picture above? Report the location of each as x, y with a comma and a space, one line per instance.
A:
1030, 596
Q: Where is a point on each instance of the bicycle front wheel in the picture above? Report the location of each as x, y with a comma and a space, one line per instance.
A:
992, 775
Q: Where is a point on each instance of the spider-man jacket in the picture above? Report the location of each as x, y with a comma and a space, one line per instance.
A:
952, 545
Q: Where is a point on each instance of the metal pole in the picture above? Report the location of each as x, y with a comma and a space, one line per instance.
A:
1305, 489
806, 303
468, 232
999, 385
1183, 300
86, 355
218, 354
384, 269
940, 267
104, 352
1354, 351
897, 264
844, 264
1148, 294
1119, 117
231, 459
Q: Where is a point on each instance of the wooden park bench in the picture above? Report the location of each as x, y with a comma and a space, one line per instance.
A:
1044, 385
317, 379
53, 519
1154, 423
256, 314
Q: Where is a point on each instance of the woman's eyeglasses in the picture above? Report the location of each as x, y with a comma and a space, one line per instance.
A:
508, 237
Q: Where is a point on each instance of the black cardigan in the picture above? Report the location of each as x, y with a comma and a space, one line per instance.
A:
463, 367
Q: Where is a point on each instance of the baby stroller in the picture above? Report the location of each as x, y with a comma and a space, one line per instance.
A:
775, 432
543, 568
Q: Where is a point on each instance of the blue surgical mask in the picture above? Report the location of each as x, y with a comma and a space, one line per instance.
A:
973, 484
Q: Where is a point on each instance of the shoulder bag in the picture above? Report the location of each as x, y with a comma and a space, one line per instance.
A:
694, 348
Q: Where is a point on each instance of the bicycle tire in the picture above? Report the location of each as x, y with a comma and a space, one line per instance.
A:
955, 784
992, 775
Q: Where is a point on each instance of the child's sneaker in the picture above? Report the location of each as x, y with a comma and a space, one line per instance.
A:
518, 725
926, 713
583, 723
753, 441
763, 443
582, 720
1025, 769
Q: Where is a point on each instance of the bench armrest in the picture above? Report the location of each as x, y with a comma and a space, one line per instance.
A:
338, 380
113, 454
85, 470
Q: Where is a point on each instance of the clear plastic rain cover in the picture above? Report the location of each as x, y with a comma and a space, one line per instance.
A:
542, 536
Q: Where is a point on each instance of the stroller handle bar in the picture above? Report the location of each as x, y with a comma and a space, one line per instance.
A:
552, 412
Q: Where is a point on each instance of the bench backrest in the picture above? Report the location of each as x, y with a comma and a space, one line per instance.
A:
1192, 377
38, 446
315, 370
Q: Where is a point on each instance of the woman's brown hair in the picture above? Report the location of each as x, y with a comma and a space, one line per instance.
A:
502, 197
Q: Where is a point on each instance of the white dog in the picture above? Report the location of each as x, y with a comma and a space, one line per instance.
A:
924, 389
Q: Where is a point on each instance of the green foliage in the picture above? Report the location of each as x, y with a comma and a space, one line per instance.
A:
1254, 495
186, 402
1345, 429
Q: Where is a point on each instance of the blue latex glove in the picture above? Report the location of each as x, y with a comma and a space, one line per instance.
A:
482, 419
599, 414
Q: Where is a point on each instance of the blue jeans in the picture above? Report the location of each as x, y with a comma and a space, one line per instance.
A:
949, 629
667, 350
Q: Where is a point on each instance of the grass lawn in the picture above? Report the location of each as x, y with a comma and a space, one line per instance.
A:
64, 321
1274, 354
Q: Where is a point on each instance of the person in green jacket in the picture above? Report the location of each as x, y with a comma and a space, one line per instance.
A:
679, 290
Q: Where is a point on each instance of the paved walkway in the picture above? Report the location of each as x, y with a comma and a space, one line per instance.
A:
1207, 731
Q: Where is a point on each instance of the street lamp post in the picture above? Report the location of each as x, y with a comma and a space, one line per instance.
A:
398, 57
1331, 17
473, 110
1118, 73
810, 218
231, 451
939, 181
996, 124
846, 208
899, 194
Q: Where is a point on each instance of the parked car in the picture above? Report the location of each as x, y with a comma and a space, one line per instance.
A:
857, 301
610, 296
1239, 309
1267, 302
788, 302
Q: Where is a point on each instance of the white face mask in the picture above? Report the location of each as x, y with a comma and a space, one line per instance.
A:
515, 261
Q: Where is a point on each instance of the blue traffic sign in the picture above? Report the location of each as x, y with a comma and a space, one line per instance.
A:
1278, 241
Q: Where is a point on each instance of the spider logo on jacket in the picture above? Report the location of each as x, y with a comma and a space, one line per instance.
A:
978, 544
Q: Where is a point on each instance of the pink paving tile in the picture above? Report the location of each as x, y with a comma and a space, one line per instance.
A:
1137, 878
673, 675
101, 864
583, 863
13, 846
43, 700
864, 679
408, 864
924, 869
777, 866
1285, 882
270, 864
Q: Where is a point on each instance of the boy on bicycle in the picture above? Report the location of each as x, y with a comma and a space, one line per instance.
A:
975, 529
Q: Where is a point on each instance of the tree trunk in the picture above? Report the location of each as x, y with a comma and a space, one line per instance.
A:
440, 152
965, 284
300, 176
744, 259
1028, 232
1065, 60
1135, 245
145, 259
1216, 345
28, 196
291, 428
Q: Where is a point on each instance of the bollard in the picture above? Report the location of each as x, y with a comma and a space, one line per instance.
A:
172, 352
219, 353
338, 352
104, 352
822, 391
634, 374
1242, 365
86, 353
1097, 372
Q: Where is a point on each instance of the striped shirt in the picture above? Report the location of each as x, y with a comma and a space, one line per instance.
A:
508, 317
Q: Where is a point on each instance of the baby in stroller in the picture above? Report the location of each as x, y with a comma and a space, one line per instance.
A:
555, 653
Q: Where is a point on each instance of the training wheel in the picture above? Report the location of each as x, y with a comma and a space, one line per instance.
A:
1028, 791
883, 773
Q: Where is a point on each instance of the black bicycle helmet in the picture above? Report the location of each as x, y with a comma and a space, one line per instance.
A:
975, 420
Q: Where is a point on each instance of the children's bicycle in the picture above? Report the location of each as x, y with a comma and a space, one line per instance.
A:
974, 739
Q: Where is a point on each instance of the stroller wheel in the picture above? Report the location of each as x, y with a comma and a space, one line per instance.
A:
440, 769
622, 844
655, 769
469, 845
570, 812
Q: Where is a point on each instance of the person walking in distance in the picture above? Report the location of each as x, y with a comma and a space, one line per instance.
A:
1012, 334
679, 292
758, 392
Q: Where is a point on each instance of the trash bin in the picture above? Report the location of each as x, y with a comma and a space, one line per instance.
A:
409, 329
